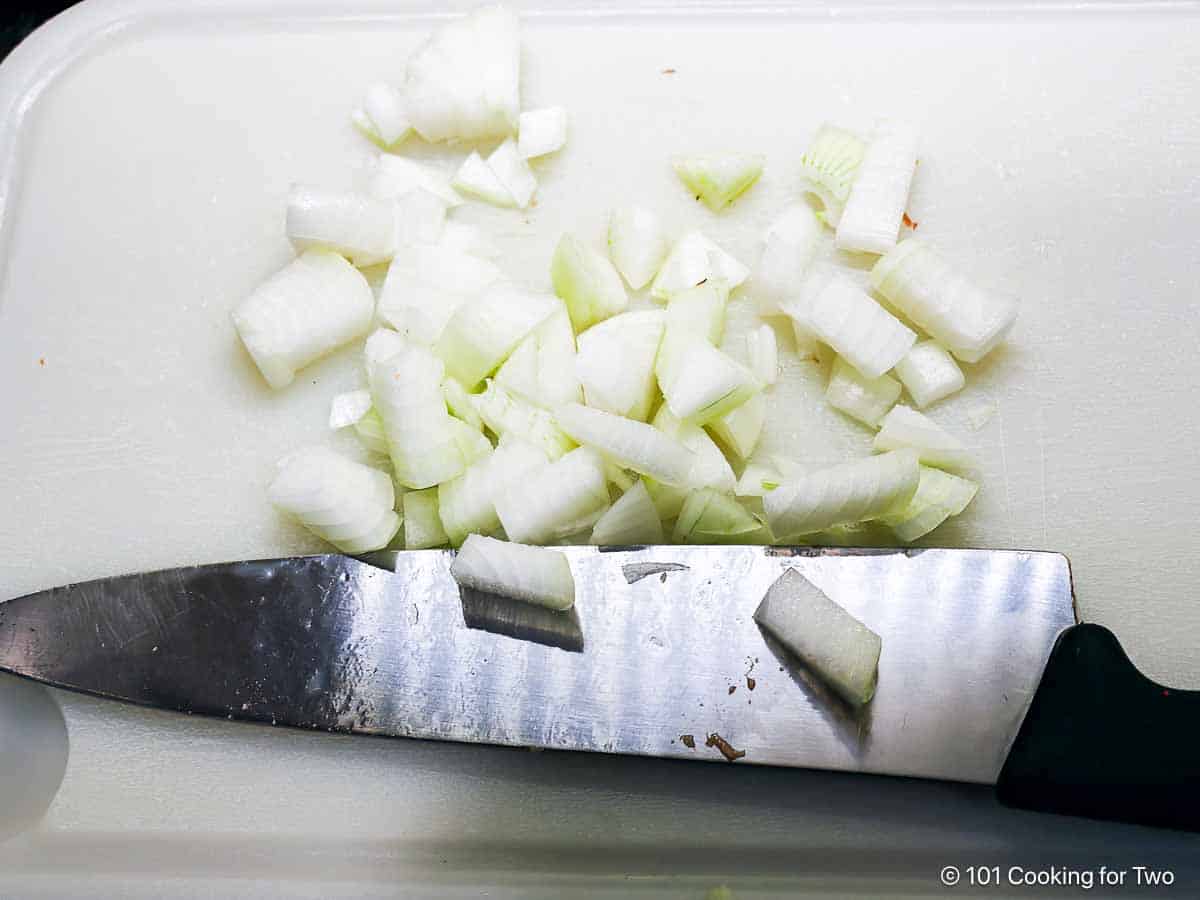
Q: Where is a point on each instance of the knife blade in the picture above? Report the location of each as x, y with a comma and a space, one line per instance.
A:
660, 657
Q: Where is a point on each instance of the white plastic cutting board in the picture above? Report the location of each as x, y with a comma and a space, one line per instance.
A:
147, 165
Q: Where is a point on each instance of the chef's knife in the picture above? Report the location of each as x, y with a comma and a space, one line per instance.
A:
984, 675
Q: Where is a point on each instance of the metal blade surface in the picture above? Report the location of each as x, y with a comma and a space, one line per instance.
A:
660, 653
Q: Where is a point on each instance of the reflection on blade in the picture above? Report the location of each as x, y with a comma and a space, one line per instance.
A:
524, 621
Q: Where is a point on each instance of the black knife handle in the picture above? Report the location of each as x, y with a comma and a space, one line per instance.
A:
1102, 740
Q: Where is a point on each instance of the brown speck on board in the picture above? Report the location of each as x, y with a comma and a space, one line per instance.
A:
668, 71
732, 688
689, 741
750, 683
42, 361
726, 748
533, 203
910, 223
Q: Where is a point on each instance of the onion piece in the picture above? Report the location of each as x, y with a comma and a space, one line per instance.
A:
467, 504
459, 402
339, 500
508, 416
962, 318
699, 382
394, 176
476, 178
839, 648
621, 478
870, 220
694, 259
512, 171
348, 408
741, 427
485, 329
557, 500
384, 108
312, 306
758, 479
536, 575
709, 467
466, 238
382, 344
587, 283
629, 443
422, 524
850, 492
542, 368
861, 398
789, 245
463, 83
371, 435
711, 517
632, 520
719, 180
847, 319
763, 352
667, 498
929, 373
541, 131
904, 427
939, 496
615, 363
637, 244
420, 218
828, 168
698, 311
362, 228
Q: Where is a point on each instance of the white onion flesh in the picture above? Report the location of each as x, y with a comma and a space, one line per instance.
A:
717, 181
360, 227
557, 500
312, 306
629, 443
632, 520
865, 399
476, 178
615, 363
383, 109
694, 259
711, 517
637, 244
510, 417
394, 176
370, 433
542, 368
698, 311
541, 131
870, 221
762, 349
709, 468
382, 344
699, 382
459, 402
758, 479
422, 524
467, 238
420, 218
587, 283
828, 167
485, 329
534, 575
941, 300
741, 428
467, 504
841, 650
789, 246
850, 492
939, 496
904, 427
512, 170
348, 408
929, 374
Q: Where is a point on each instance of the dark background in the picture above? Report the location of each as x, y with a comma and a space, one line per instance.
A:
22, 17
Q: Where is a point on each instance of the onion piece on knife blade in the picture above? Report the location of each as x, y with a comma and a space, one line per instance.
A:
535, 575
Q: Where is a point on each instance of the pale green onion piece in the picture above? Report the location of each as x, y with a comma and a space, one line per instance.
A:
709, 467
420, 218
939, 496
312, 306
698, 311
694, 259
623, 479
542, 368
371, 435
463, 83
485, 329
837, 647
395, 176
904, 427
508, 416
383, 107
348, 408
615, 363
556, 501
587, 283
741, 427
711, 517
699, 382
460, 404
473, 443
929, 373
790, 244
942, 301
341, 501
719, 180
870, 220
536, 575
808, 345
763, 352
627, 442
467, 504
865, 399
637, 244
847, 319
541, 131
828, 168
633, 519
422, 524
476, 178
363, 123
360, 227
668, 498
513, 172
843, 494
758, 479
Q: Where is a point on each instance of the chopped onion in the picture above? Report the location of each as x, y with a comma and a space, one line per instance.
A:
476, 178
535, 575
709, 467
699, 382
383, 107
929, 373
459, 402
542, 368
464, 81
587, 282
667, 498
382, 344
557, 500
828, 168
904, 427
363, 228
939, 496
615, 363
962, 318
541, 131
341, 501
843, 494
466, 238
485, 329
861, 398
719, 180
846, 318
622, 479
467, 504
790, 244
629, 443
513, 172
741, 427
422, 524
637, 244
763, 352
711, 517
508, 416
348, 408
371, 434
473, 442
870, 220
698, 311
420, 217
758, 479
633, 519
395, 176
692, 260
312, 306
840, 649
